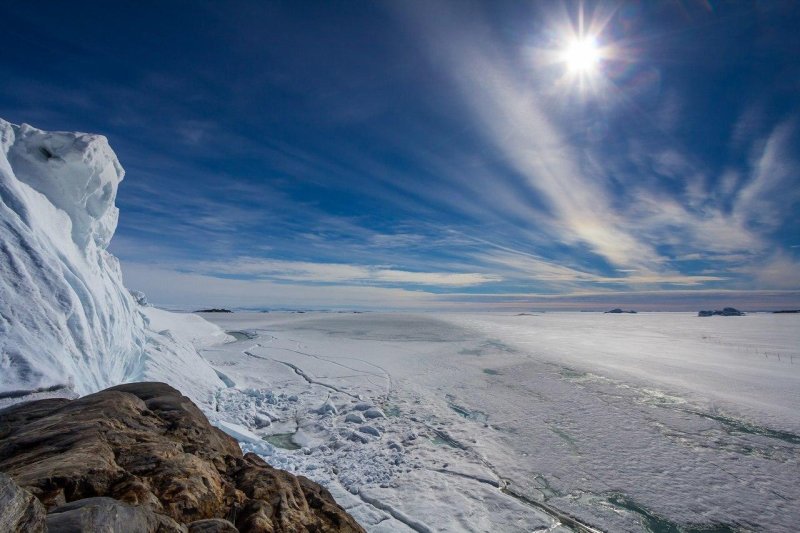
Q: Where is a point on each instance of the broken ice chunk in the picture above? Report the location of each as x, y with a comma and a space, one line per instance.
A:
370, 430
354, 418
327, 407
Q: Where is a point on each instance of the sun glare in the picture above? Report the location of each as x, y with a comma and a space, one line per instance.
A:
582, 56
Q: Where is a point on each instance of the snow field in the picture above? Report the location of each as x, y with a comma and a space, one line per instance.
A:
483, 432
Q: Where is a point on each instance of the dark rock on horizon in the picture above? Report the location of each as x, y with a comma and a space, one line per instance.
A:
619, 311
143, 454
728, 311
214, 310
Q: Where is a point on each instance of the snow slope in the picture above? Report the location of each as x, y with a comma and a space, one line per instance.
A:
66, 320
201, 333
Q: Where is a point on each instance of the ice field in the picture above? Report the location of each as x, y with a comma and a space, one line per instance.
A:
542, 422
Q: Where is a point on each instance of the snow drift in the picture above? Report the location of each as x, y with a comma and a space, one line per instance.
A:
65, 317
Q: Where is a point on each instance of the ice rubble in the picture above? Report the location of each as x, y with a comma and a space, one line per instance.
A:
66, 320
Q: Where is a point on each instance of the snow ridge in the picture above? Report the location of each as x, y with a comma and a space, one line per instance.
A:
66, 318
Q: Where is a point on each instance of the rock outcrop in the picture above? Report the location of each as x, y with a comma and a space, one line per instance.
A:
107, 514
19, 509
145, 456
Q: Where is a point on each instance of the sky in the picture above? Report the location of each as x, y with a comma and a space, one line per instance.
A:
425, 154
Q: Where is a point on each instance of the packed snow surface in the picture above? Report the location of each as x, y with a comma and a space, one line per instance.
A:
660, 422
67, 324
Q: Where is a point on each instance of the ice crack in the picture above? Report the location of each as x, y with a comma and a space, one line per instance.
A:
398, 515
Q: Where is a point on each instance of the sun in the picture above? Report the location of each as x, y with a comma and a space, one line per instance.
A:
582, 56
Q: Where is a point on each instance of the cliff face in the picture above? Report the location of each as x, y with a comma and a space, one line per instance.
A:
66, 319
145, 458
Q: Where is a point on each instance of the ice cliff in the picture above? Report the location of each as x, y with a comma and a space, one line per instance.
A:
65, 317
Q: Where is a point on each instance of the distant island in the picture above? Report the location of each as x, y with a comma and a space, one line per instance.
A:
618, 311
728, 311
782, 311
214, 310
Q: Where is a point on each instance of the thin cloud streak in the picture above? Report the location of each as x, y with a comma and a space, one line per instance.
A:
317, 272
178, 290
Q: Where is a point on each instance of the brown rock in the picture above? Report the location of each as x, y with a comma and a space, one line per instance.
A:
278, 498
91, 515
146, 445
212, 525
20, 511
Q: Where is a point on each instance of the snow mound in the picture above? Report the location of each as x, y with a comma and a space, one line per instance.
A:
200, 332
65, 317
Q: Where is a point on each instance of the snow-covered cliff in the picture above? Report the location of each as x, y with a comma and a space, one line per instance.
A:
65, 316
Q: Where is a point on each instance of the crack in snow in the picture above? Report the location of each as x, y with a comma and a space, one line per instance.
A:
398, 515
299, 371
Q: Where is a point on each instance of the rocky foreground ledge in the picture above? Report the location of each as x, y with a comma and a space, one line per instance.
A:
143, 458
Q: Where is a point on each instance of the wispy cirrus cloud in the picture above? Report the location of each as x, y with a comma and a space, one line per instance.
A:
172, 288
672, 205
511, 111
176, 289
318, 272
526, 267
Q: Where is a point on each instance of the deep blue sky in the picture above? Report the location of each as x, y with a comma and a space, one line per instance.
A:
423, 154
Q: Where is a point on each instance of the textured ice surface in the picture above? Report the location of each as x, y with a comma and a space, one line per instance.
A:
648, 422
67, 323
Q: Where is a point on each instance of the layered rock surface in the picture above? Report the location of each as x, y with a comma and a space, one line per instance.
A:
144, 455
19, 509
